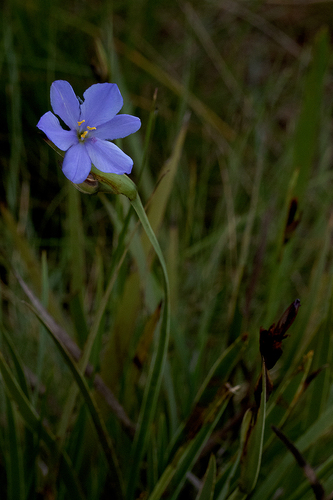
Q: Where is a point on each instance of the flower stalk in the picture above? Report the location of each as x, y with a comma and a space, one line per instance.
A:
155, 374
94, 164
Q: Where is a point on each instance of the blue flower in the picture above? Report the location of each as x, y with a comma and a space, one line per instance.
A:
92, 123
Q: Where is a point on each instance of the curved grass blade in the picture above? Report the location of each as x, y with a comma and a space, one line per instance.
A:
246, 239
253, 442
223, 483
148, 137
322, 425
15, 475
86, 353
207, 392
31, 264
153, 384
206, 114
304, 487
306, 365
103, 436
252, 435
306, 133
29, 456
237, 495
33, 422
308, 471
17, 363
158, 203
76, 353
174, 475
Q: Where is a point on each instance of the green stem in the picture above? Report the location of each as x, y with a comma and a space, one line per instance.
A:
157, 364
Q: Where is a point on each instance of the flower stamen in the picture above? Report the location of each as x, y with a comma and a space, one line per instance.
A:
80, 123
83, 135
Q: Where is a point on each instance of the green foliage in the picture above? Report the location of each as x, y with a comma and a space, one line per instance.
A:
129, 336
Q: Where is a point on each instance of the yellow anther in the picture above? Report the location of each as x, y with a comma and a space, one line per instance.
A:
84, 134
91, 128
80, 123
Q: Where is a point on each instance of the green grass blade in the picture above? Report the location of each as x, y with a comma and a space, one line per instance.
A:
198, 429
42, 333
75, 242
304, 487
15, 116
174, 475
153, 383
32, 420
208, 390
158, 203
118, 259
223, 483
29, 461
306, 134
17, 362
148, 137
15, 475
275, 479
75, 352
102, 433
206, 114
252, 449
27, 411
207, 490
237, 494
220, 370
246, 240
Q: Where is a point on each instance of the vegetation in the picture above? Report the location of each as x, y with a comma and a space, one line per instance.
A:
131, 366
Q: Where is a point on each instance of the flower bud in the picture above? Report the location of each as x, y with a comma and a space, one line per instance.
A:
115, 183
89, 186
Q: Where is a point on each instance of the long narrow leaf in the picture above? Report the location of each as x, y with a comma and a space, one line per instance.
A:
174, 475
153, 384
208, 487
15, 476
102, 433
252, 450
322, 425
208, 390
75, 352
32, 420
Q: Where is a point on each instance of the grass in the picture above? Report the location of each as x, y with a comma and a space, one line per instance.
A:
128, 363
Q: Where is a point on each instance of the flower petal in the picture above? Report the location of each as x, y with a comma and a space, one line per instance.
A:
107, 157
102, 102
50, 125
76, 165
65, 103
120, 126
